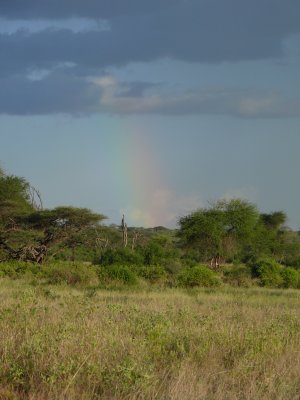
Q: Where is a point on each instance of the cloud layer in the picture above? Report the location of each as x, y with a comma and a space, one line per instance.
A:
207, 31
62, 92
188, 30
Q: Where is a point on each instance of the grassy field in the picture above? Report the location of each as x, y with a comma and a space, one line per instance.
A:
59, 342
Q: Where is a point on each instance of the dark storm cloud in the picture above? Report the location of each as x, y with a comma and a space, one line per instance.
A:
31, 9
22, 51
56, 93
64, 93
136, 89
241, 103
245, 103
188, 30
210, 31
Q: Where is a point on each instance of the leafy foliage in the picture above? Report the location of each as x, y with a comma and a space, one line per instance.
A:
73, 274
269, 272
42, 229
238, 275
14, 199
230, 235
122, 255
118, 273
199, 275
152, 273
291, 278
19, 269
225, 229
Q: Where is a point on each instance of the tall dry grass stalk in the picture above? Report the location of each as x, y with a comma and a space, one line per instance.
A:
62, 343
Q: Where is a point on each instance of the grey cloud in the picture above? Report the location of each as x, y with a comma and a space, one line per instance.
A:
79, 8
62, 92
246, 103
189, 30
23, 51
237, 103
136, 89
37, 25
56, 93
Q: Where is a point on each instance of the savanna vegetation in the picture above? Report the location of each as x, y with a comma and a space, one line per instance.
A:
89, 311
61, 342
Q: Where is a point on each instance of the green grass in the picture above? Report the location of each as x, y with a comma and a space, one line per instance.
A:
61, 342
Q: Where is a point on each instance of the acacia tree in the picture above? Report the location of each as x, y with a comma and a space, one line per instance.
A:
222, 231
14, 199
75, 227
63, 226
27, 233
203, 232
14, 203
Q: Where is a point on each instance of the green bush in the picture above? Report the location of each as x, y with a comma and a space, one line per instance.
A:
293, 262
121, 256
269, 272
70, 273
152, 273
117, 273
291, 277
238, 275
199, 275
54, 273
17, 269
174, 266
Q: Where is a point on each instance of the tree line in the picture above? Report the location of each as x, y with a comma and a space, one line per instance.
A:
228, 231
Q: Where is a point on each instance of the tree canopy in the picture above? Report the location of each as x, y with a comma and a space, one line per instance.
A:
14, 198
232, 230
27, 233
226, 231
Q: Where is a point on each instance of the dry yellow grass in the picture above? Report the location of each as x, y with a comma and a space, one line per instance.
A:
62, 343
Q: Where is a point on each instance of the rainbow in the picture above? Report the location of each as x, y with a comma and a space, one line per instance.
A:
138, 177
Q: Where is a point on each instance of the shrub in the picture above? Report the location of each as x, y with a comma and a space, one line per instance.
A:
291, 278
174, 266
70, 273
152, 273
122, 256
198, 276
238, 275
268, 271
293, 262
153, 253
17, 269
120, 273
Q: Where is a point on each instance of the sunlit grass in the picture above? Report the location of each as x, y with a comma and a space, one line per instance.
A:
223, 343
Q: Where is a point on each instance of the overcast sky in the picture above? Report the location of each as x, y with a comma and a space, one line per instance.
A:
152, 108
